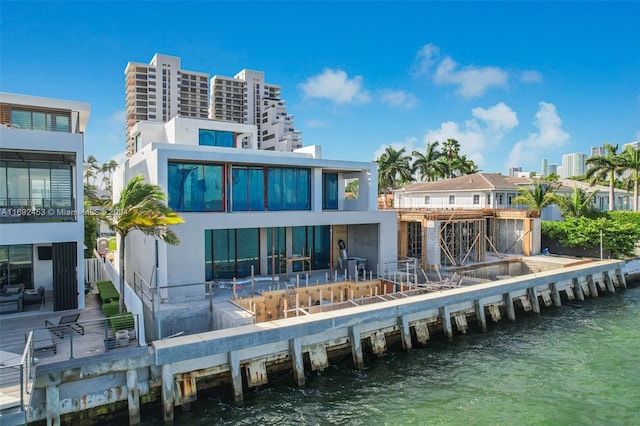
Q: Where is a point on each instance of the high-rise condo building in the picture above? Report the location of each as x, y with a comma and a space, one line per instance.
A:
573, 165
597, 151
246, 98
161, 90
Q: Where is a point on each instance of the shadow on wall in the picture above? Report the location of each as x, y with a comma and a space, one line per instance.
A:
555, 247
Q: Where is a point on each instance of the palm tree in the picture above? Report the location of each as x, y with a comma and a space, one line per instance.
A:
538, 196
107, 170
465, 166
141, 207
393, 168
91, 172
427, 164
450, 150
577, 204
604, 167
630, 159
353, 189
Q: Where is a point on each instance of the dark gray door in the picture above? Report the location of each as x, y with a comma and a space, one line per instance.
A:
65, 276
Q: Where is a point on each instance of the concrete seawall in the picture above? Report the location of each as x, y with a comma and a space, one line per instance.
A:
172, 370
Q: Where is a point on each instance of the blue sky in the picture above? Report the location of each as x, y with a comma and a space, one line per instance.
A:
513, 82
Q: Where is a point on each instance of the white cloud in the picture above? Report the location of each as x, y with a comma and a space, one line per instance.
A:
427, 57
550, 137
399, 98
499, 116
471, 81
336, 86
316, 123
531, 76
480, 135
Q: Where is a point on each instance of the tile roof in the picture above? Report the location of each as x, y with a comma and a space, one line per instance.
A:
472, 182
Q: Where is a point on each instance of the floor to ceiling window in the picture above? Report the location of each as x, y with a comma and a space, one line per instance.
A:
247, 187
196, 187
16, 265
276, 249
329, 191
288, 188
230, 253
312, 241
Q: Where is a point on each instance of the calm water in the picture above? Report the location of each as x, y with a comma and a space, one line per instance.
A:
574, 365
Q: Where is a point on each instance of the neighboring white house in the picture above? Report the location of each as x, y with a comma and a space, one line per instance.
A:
495, 191
247, 208
41, 196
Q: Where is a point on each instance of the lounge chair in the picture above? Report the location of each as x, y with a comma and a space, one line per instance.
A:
65, 322
42, 341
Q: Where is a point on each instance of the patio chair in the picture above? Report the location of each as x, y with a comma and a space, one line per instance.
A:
65, 322
42, 341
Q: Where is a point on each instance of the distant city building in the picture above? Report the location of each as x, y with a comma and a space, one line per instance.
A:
635, 144
573, 165
160, 91
247, 99
597, 151
513, 171
546, 169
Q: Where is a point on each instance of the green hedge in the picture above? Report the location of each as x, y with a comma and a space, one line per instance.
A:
122, 322
111, 307
108, 292
117, 321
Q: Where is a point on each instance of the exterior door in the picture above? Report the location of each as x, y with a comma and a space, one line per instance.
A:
65, 276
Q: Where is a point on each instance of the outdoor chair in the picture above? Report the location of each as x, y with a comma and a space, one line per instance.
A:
42, 341
65, 322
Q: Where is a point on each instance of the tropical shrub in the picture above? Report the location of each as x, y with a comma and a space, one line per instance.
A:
620, 231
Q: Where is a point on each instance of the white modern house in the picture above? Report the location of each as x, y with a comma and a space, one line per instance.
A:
41, 198
493, 191
247, 209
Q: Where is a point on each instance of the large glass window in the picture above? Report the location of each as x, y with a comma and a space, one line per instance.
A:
41, 120
36, 185
276, 250
16, 265
247, 188
288, 189
312, 241
231, 253
196, 187
208, 137
329, 191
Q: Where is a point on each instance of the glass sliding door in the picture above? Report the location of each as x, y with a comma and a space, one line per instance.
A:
231, 253
276, 249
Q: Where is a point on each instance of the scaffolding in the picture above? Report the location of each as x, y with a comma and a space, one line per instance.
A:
462, 240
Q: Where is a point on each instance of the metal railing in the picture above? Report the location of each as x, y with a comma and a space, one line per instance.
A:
16, 379
84, 338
